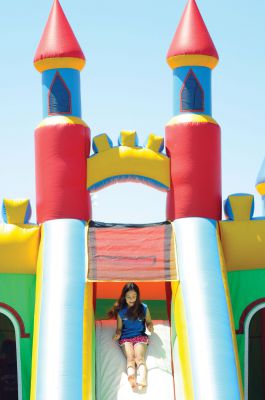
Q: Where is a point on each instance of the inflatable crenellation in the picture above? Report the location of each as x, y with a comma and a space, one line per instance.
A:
16, 211
18, 234
155, 143
128, 162
128, 138
103, 142
239, 207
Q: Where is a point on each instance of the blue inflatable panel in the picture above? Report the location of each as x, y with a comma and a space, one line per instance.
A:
59, 362
203, 75
213, 362
71, 79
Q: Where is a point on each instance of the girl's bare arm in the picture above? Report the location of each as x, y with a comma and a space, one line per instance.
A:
148, 321
118, 329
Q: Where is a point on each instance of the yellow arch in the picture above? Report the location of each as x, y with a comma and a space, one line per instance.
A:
128, 163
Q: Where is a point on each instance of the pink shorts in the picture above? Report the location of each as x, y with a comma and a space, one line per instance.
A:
134, 340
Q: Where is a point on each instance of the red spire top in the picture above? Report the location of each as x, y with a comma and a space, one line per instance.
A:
192, 43
58, 47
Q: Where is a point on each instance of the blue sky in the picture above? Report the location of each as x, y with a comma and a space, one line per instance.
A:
127, 85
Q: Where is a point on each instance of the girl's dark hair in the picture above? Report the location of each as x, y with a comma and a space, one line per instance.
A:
137, 311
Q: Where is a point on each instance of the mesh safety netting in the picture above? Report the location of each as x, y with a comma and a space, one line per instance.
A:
131, 252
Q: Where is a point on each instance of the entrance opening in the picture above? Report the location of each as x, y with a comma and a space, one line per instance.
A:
131, 203
144, 254
8, 360
256, 363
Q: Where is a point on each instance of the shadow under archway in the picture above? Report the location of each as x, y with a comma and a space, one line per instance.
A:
256, 357
8, 360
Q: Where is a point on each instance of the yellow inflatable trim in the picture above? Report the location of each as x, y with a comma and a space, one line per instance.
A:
35, 346
19, 247
243, 244
261, 188
196, 60
193, 118
182, 337
59, 62
62, 120
88, 386
230, 313
123, 161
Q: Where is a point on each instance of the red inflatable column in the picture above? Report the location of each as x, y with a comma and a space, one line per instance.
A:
195, 153
61, 153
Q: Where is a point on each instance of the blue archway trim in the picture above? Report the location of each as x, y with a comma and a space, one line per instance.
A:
129, 178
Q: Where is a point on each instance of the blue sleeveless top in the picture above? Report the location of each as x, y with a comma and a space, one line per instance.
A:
132, 327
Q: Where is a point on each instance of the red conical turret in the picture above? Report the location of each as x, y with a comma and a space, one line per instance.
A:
58, 46
192, 43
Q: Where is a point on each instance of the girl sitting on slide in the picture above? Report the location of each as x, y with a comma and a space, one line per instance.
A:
132, 319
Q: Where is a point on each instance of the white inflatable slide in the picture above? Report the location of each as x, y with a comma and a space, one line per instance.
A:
111, 378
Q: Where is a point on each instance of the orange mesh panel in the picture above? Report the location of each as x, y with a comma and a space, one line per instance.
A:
131, 253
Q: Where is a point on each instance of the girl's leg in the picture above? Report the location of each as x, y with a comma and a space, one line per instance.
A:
128, 351
140, 352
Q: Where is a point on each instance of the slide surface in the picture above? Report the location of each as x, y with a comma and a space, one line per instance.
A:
210, 337
111, 378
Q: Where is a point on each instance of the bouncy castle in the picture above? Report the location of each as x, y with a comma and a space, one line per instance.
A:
202, 278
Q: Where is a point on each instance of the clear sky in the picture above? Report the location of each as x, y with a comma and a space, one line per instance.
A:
127, 85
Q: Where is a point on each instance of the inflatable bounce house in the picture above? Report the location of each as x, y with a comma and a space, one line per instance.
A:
202, 278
